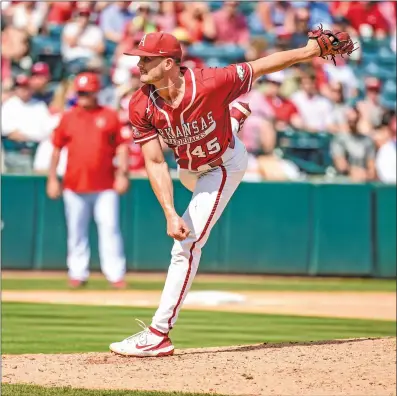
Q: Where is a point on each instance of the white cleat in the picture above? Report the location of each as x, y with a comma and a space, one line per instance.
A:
147, 343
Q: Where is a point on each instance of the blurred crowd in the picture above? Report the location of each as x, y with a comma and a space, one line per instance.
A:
312, 120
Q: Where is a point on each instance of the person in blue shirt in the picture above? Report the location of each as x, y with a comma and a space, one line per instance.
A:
113, 20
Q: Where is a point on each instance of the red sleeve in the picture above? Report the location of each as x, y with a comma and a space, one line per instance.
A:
60, 137
142, 129
232, 81
122, 134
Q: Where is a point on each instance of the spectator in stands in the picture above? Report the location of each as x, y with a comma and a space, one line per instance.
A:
29, 16
23, 118
129, 41
311, 105
14, 53
185, 40
259, 137
256, 48
145, 20
386, 155
276, 17
59, 12
367, 19
81, 39
283, 112
64, 96
39, 82
25, 121
113, 20
301, 27
166, 16
370, 109
353, 153
336, 120
341, 73
198, 21
231, 25
318, 11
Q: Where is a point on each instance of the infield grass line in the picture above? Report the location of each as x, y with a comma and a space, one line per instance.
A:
33, 390
265, 284
58, 328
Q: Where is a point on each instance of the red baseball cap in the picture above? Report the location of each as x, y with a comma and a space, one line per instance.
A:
21, 80
158, 44
372, 83
87, 82
41, 69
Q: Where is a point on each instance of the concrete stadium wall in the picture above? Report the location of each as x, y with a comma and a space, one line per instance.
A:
268, 228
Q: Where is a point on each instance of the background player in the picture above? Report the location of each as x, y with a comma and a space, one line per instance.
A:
92, 136
189, 109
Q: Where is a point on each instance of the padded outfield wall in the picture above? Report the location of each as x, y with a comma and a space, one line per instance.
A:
268, 228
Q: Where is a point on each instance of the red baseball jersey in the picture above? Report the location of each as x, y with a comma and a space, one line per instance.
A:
91, 137
199, 129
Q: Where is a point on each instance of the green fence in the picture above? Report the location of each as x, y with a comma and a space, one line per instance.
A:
270, 228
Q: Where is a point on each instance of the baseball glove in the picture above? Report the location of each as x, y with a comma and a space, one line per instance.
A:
340, 45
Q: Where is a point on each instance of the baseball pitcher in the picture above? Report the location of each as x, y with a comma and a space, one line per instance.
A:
189, 109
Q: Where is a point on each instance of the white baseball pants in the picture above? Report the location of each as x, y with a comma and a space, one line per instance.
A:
79, 209
212, 191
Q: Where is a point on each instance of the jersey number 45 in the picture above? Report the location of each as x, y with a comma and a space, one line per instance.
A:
212, 147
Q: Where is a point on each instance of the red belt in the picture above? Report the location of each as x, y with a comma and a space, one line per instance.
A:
219, 161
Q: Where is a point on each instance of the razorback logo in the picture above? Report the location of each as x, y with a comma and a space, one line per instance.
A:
135, 132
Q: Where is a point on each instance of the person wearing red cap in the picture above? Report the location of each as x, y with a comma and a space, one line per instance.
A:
40, 77
24, 120
91, 185
189, 109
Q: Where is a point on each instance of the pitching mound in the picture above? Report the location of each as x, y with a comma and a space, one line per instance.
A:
344, 367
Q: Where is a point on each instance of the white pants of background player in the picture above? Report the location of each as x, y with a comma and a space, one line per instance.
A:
212, 190
79, 210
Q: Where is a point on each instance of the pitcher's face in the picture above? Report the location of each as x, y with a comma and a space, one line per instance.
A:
151, 69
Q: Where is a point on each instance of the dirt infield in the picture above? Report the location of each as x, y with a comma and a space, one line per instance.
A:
346, 367
337, 304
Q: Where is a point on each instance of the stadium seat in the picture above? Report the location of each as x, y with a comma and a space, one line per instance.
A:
12, 145
55, 62
216, 62
110, 48
309, 151
389, 89
386, 57
55, 31
382, 72
45, 45
215, 5
229, 53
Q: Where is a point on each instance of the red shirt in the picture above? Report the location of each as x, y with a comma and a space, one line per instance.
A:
199, 130
283, 109
60, 12
359, 14
91, 137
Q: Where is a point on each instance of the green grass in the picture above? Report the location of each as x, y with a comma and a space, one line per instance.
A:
257, 284
31, 390
52, 328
